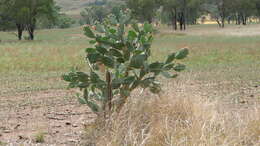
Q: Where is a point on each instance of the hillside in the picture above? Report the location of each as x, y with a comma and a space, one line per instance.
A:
68, 5
73, 7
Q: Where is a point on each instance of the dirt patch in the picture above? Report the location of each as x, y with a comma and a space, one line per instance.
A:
49, 113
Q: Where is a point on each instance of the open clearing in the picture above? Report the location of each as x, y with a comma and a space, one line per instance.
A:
224, 66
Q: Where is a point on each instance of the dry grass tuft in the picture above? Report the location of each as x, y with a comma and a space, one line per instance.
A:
174, 121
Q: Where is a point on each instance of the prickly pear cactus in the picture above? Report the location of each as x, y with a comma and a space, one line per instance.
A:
119, 63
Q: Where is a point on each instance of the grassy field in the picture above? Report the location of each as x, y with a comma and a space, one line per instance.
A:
223, 66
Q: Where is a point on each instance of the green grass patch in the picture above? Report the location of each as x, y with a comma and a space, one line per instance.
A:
38, 65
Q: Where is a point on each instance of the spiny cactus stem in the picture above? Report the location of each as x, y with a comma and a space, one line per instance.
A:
109, 89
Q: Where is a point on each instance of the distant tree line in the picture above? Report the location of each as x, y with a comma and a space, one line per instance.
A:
98, 10
27, 15
233, 11
178, 13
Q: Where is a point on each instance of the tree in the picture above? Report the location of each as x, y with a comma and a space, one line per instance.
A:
219, 10
194, 11
257, 4
64, 21
24, 14
99, 10
170, 8
182, 11
228, 10
6, 23
51, 22
93, 14
143, 10
244, 9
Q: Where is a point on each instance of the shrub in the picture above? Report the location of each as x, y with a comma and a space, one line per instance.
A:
39, 137
119, 63
64, 21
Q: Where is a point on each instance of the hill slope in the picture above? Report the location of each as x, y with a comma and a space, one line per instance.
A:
73, 7
68, 5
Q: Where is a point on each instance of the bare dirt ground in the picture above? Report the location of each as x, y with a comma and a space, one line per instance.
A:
49, 113
58, 116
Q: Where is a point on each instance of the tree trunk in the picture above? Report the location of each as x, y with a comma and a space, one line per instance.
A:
20, 29
244, 19
229, 20
195, 21
222, 13
31, 34
31, 28
150, 20
223, 16
236, 17
174, 19
219, 24
184, 15
222, 22
181, 20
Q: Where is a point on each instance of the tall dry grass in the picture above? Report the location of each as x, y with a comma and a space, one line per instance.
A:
172, 121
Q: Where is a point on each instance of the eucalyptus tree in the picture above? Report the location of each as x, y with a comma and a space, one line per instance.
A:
97, 11
182, 11
5, 19
170, 8
219, 9
194, 10
25, 13
244, 9
257, 3
144, 10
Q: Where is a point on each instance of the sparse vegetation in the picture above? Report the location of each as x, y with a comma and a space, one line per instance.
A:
40, 137
172, 120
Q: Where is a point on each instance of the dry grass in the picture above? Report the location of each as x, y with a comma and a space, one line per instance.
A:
173, 121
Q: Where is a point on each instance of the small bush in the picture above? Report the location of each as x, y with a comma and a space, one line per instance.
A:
39, 137
120, 62
64, 21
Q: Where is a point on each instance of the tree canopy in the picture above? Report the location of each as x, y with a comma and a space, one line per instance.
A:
25, 14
